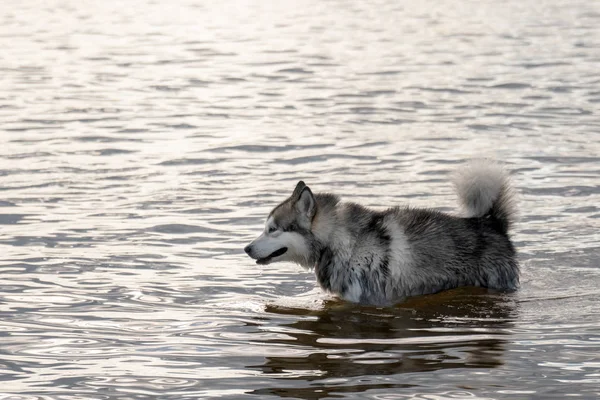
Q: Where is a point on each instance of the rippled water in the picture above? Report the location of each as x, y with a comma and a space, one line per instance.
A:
143, 142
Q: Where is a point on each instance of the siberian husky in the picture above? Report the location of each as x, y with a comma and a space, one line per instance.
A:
382, 257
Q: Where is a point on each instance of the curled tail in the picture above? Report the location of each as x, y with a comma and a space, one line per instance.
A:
484, 189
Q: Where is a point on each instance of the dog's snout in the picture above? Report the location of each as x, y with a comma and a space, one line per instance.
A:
248, 249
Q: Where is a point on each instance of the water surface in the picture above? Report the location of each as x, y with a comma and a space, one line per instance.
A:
142, 145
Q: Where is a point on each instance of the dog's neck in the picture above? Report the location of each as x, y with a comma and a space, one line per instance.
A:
325, 221
330, 236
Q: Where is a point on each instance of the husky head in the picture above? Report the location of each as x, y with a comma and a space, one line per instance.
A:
287, 235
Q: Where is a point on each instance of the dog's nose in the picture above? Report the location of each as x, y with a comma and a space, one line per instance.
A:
248, 249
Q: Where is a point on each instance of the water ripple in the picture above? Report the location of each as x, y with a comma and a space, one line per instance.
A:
141, 152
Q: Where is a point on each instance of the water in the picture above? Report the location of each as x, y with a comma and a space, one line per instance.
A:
143, 143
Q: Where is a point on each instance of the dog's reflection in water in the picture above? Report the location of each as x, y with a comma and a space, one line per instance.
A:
461, 328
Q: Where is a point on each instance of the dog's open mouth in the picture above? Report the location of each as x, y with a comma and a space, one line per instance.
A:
276, 253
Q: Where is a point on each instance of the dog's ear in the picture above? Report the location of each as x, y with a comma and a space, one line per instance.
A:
298, 190
306, 204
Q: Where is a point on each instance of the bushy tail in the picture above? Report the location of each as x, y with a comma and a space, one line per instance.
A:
484, 189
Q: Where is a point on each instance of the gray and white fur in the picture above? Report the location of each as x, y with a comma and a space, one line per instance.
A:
382, 257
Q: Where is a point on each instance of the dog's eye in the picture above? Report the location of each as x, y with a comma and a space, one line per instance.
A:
272, 229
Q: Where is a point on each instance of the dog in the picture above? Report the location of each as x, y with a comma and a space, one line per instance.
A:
383, 257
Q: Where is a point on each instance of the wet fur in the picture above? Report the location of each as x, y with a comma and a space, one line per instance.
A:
382, 257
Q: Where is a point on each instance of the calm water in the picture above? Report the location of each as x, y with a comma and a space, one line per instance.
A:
143, 142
